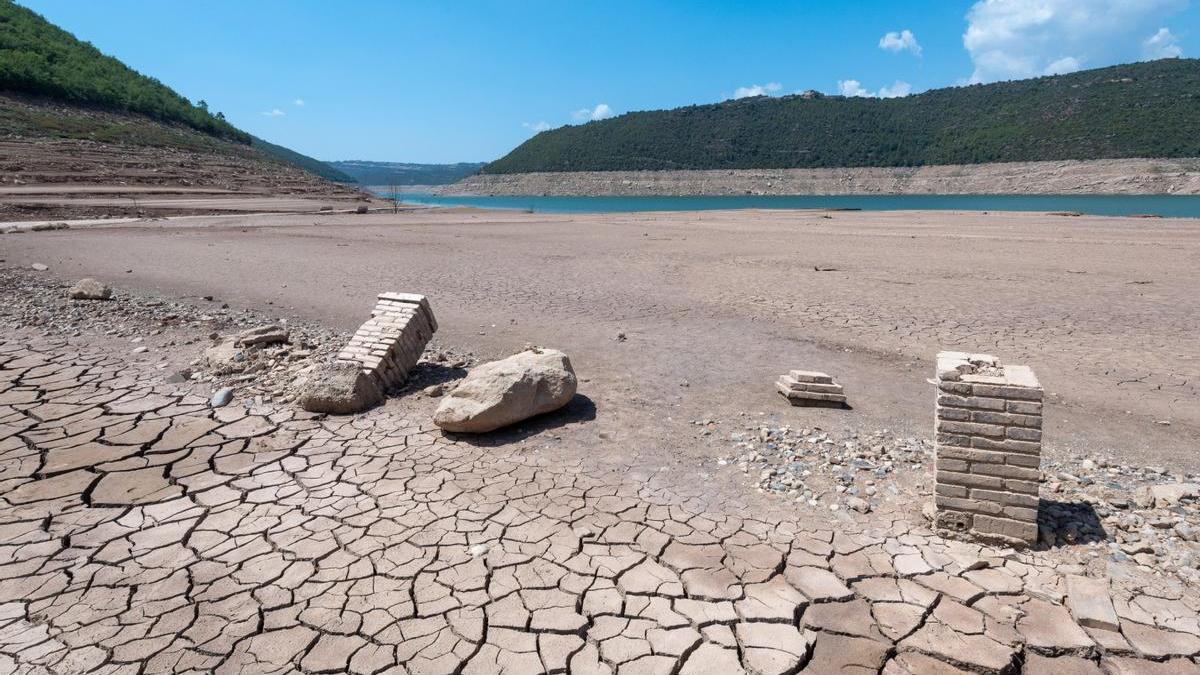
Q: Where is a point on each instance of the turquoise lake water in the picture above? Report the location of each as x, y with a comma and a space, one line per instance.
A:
1168, 206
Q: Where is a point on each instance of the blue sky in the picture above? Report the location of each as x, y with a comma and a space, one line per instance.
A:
469, 80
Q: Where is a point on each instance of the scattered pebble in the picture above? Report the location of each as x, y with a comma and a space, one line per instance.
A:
221, 398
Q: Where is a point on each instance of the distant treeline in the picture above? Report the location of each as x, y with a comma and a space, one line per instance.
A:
37, 57
1147, 109
396, 173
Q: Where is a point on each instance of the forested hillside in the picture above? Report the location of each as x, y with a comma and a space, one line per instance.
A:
54, 85
37, 57
1149, 109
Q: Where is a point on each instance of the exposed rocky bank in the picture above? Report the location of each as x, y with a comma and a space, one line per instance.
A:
1107, 176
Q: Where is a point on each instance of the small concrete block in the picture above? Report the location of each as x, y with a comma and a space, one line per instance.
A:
811, 376
810, 398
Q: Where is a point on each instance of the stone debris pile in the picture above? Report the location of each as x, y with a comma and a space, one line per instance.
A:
273, 372
811, 388
247, 350
835, 469
989, 448
1147, 515
391, 342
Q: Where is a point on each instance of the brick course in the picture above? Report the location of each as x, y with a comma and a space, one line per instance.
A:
989, 444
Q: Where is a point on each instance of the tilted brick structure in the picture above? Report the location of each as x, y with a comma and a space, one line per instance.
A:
389, 344
989, 446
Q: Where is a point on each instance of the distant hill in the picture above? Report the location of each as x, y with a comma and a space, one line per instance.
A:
1149, 109
316, 166
396, 173
50, 82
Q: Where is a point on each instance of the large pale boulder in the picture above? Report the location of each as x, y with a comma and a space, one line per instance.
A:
504, 392
340, 389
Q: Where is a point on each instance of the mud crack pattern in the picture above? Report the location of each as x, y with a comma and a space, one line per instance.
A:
142, 532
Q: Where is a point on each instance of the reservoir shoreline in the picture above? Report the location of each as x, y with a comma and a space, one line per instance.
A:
1133, 176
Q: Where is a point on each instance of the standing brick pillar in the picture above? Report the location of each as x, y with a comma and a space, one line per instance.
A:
989, 448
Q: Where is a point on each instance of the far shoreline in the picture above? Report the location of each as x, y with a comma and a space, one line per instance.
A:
1128, 176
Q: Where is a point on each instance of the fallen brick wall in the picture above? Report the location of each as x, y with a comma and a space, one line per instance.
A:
989, 445
389, 344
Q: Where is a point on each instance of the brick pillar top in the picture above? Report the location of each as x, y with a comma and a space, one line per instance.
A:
984, 369
989, 444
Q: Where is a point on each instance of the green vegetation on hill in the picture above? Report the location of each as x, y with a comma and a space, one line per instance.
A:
41, 63
315, 166
396, 173
37, 57
37, 117
1147, 109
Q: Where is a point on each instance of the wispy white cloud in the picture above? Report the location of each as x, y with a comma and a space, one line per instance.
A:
1162, 45
602, 111
274, 112
298, 103
1010, 39
902, 41
536, 126
899, 89
757, 90
854, 88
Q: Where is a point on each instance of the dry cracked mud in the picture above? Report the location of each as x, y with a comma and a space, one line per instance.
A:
143, 532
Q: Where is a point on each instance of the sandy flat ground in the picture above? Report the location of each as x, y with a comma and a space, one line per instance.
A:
714, 306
